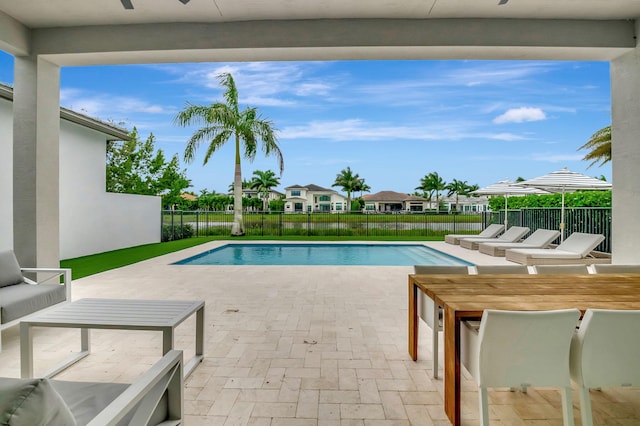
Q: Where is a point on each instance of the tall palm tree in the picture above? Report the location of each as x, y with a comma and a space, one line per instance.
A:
263, 182
430, 184
599, 145
457, 187
362, 187
349, 182
222, 121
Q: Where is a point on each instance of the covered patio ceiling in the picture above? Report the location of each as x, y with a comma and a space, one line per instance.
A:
83, 32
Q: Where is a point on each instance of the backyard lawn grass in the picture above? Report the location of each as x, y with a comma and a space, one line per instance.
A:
95, 263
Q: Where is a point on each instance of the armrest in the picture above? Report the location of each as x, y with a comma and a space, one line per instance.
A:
165, 375
65, 272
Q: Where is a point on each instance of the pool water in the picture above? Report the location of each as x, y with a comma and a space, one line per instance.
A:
323, 254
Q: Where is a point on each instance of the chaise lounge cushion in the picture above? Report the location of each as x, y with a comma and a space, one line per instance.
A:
10, 272
32, 402
24, 299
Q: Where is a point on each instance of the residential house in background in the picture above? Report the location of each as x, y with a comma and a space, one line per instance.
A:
465, 204
394, 202
313, 198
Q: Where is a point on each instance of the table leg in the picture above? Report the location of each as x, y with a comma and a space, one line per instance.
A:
167, 340
452, 366
200, 332
413, 320
26, 351
85, 342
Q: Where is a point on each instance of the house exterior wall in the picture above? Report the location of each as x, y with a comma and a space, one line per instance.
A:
112, 221
314, 201
91, 220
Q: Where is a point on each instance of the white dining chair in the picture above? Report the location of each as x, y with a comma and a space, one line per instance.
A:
605, 352
502, 269
561, 269
520, 349
427, 309
607, 268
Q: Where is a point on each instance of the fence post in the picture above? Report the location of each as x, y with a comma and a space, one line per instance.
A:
308, 223
338, 225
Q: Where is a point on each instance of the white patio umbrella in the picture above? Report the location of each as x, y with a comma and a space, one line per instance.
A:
506, 188
565, 181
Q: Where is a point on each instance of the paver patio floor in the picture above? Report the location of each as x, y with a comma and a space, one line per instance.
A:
294, 345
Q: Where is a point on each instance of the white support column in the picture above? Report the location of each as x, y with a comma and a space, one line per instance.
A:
625, 154
36, 129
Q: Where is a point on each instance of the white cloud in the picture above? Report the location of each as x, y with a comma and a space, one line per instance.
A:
520, 115
102, 105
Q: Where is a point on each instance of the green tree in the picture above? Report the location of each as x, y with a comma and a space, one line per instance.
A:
135, 167
599, 146
457, 187
349, 182
432, 184
223, 121
361, 187
263, 182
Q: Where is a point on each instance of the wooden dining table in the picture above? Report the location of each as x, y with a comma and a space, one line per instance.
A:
465, 297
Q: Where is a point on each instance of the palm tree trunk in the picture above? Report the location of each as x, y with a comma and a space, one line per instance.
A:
237, 229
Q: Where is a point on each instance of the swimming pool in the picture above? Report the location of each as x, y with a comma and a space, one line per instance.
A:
323, 254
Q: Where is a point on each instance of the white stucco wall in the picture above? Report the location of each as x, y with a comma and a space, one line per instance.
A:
6, 181
91, 220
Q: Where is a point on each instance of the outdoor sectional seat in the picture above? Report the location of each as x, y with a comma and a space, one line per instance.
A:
574, 250
155, 398
515, 233
21, 296
490, 231
540, 238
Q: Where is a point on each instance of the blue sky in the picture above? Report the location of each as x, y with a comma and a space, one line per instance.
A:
392, 122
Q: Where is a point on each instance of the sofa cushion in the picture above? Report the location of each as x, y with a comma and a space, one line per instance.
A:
19, 300
32, 402
10, 272
87, 399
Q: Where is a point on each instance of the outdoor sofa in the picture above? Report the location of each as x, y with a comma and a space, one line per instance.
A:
155, 398
21, 296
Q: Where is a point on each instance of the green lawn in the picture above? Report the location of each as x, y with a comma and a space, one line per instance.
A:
95, 263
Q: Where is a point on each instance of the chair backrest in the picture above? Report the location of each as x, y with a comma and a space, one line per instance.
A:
562, 269
10, 272
502, 269
606, 268
541, 237
581, 243
441, 269
491, 231
606, 350
515, 233
520, 348
426, 307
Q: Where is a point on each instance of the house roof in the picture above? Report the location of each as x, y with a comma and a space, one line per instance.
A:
188, 197
117, 133
392, 196
311, 187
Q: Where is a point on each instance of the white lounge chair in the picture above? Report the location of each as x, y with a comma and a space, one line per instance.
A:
490, 231
575, 249
540, 238
511, 235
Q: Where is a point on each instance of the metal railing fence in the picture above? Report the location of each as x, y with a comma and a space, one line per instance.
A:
185, 224
590, 220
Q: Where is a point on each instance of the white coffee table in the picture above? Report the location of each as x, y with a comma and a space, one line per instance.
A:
122, 314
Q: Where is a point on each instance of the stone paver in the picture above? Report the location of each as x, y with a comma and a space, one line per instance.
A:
293, 345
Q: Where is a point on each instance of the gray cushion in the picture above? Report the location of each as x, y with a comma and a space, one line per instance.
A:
32, 402
19, 300
10, 272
